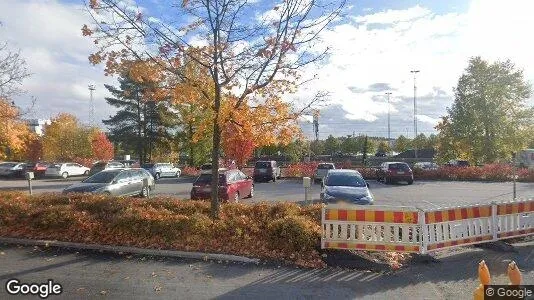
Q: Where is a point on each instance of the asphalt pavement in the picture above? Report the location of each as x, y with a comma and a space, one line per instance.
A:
94, 275
423, 194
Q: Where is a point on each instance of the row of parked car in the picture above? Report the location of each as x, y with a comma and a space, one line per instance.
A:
70, 169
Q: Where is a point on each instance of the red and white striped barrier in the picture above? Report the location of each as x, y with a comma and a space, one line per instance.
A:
408, 229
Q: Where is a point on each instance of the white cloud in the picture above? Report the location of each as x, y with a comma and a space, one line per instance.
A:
49, 36
394, 16
383, 47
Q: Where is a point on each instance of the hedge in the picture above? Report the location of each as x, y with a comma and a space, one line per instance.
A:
489, 172
282, 231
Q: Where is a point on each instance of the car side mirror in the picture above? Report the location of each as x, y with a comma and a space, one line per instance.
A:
114, 182
367, 184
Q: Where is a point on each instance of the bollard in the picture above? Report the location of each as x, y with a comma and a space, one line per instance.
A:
514, 274
145, 184
306, 182
29, 177
484, 278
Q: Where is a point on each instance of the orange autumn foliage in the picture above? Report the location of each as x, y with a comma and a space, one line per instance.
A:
102, 147
14, 132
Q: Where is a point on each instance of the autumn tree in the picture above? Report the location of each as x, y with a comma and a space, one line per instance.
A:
383, 147
101, 146
14, 132
490, 112
13, 70
65, 139
402, 144
250, 59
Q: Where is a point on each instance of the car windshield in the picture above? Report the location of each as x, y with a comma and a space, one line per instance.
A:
325, 166
147, 166
102, 177
399, 167
7, 165
205, 167
206, 179
57, 166
263, 164
345, 179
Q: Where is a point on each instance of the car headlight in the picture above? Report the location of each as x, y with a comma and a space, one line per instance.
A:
327, 196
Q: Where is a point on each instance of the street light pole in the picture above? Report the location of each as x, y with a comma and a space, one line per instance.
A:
414, 72
92, 106
389, 126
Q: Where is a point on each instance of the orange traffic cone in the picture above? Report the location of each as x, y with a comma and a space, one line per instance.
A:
484, 278
514, 274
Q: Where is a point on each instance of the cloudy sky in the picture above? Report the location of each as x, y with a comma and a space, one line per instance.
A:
373, 49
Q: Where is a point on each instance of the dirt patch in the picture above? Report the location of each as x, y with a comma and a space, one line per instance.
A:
367, 260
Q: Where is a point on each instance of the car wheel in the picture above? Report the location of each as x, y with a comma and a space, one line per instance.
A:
410, 181
236, 197
274, 178
387, 180
86, 173
157, 176
251, 192
145, 192
178, 174
65, 175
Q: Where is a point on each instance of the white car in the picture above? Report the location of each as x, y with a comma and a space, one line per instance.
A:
66, 170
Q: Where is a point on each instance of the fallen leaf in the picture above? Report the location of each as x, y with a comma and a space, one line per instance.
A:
103, 292
2, 253
157, 288
154, 274
127, 277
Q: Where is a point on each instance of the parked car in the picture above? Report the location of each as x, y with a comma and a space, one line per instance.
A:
391, 172
426, 165
104, 165
38, 168
458, 163
130, 163
12, 169
205, 168
345, 186
66, 170
159, 170
233, 185
322, 170
116, 182
266, 170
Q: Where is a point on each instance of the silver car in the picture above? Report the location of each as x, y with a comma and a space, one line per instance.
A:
345, 186
116, 182
322, 170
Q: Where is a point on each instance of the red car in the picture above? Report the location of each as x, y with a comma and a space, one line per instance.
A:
37, 168
391, 172
233, 185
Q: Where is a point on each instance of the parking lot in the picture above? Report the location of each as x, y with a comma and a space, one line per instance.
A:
424, 194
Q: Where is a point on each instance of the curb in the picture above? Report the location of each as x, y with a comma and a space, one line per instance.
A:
133, 250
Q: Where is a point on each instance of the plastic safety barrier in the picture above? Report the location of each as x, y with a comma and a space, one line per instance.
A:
409, 229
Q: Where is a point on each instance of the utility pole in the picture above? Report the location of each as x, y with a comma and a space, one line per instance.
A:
389, 126
414, 72
91, 105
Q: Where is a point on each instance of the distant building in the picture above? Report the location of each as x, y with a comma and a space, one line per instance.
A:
37, 125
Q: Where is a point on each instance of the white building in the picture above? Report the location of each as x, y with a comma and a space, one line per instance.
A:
37, 125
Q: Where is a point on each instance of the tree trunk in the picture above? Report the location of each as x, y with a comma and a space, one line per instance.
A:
190, 137
215, 157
